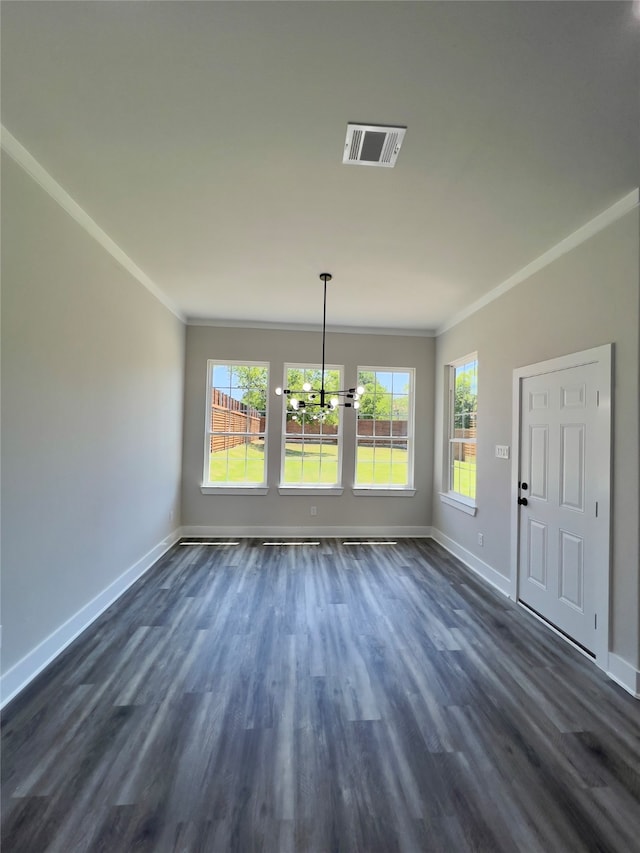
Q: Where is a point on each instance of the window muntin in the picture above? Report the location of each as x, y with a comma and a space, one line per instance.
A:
463, 416
312, 440
235, 435
384, 431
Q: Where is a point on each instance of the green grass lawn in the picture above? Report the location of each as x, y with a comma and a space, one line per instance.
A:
464, 478
315, 464
243, 463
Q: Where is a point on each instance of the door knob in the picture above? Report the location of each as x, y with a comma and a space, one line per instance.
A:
523, 501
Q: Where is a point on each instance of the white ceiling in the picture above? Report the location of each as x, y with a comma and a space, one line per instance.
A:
206, 139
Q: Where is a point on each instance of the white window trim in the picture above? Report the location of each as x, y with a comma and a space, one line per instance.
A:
452, 498
405, 489
310, 488
461, 502
228, 488
234, 490
383, 492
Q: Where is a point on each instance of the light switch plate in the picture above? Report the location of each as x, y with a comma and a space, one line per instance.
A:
502, 451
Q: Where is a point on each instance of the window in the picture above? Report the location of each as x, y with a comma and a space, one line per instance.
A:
463, 414
312, 439
235, 435
384, 434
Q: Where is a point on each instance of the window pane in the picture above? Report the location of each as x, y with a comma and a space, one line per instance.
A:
386, 410
312, 459
239, 462
463, 468
382, 462
237, 420
311, 435
463, 425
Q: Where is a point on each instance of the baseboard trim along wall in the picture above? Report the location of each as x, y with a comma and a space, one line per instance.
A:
624, 674
308, 532
25, 670
486, 572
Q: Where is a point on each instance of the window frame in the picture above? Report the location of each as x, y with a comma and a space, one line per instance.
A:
228, 486
301, 488
451, 496
389, 489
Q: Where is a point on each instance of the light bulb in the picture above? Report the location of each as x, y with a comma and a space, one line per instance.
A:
356, 405
334, 402
278, 391
359, 390
294, 403
306, 386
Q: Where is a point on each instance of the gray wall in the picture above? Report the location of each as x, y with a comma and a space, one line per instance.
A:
275, 510
92, 381
583, 299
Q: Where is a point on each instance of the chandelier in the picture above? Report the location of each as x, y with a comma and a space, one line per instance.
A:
319, 401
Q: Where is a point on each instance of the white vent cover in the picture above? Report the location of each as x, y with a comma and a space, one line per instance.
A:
372, 145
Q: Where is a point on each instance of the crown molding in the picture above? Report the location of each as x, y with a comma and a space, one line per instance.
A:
39, 174
309, 327
623, 206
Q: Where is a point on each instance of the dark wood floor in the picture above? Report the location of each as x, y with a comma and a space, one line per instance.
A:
319, 698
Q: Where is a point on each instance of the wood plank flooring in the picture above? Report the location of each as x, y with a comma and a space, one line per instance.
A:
319, 698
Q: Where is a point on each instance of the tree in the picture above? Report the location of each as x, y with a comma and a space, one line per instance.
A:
465, 403
378, 402
252, 382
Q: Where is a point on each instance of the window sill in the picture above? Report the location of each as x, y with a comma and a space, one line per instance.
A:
374, 492
234, 490
310, 490
459, 502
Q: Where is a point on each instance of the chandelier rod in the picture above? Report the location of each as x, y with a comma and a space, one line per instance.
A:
325, 276
311, 400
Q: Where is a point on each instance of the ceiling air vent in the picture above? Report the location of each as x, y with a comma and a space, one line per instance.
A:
372, 145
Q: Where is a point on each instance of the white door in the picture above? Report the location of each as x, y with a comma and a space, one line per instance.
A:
562, 527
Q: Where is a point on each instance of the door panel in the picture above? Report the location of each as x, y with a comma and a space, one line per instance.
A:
537, 563
539, 461
572, 466
571, 570
573, 397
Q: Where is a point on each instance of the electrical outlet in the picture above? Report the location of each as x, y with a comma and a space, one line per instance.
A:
314, 510
480, 538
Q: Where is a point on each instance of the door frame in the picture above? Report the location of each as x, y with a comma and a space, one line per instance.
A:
603, 357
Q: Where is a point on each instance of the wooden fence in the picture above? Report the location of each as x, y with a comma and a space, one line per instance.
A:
392, 432
368, 431
228, 416
468, 453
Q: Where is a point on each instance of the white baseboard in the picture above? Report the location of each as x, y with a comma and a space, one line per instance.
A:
307, 532
624, 674
25, 670
486, 572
